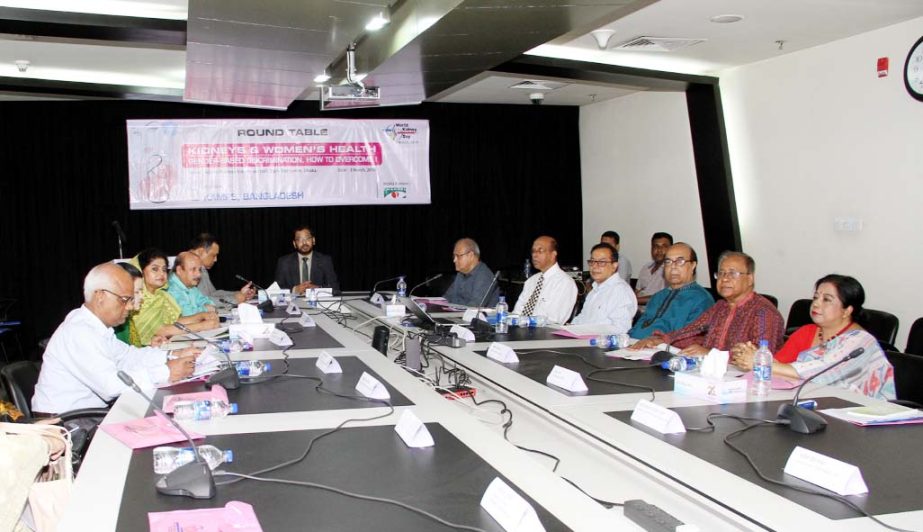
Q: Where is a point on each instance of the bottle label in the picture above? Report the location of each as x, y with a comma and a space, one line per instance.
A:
762, 373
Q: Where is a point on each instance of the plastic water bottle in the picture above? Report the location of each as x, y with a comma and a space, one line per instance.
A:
678, 364
312, 298
202, 410
604, 341
252, 368
762, 370
527, 269
503, 311
166, 459
401, 287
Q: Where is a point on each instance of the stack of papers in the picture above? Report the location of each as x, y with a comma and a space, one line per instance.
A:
879, 414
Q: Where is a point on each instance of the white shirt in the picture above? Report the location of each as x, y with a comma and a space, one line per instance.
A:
81, 364
650, 283
556, 301
612, 302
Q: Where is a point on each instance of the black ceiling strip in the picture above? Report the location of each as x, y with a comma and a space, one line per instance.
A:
92, 26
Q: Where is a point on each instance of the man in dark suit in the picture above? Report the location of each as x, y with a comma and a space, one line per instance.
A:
305, 268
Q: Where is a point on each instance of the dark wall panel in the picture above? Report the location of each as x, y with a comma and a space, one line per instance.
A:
500, 174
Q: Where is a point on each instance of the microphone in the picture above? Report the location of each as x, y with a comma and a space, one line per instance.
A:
265, 306
475, 321
801, 419
120, 235
226, 377
375, 286
426, 282
489, 289
191, 480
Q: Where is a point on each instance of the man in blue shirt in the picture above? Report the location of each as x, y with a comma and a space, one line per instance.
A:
681, 301
473, 277
184, 285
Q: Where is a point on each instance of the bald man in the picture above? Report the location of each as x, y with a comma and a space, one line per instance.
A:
81, 363
184, 286
550, 292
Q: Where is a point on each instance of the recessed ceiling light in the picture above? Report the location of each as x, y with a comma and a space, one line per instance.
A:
726, 19
380, 21
322, 78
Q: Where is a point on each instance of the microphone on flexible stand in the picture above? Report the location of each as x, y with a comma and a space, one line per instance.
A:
375, 286
801, 419
265, 306
426, 282
190, 480
120, 235
474, 321
227, 377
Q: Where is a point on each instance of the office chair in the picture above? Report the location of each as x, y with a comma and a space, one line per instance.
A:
799, 314
772, 299
8, 328
19, 379
915, 338
882, 325
908, 377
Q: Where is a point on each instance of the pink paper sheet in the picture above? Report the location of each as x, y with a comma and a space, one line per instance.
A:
235, 515
568, 334
146, 432
217, 393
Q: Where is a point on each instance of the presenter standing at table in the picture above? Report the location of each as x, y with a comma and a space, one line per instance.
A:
612, 301
550, 292
473, 278
306, 268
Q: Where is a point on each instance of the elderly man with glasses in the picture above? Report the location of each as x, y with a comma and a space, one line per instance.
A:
612, 301
740, 316
473, 279
682, 301
81, 363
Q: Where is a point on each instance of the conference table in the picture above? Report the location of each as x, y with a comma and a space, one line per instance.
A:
555, 448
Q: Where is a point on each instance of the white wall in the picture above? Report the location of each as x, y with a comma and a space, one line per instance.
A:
638, 174
815, 135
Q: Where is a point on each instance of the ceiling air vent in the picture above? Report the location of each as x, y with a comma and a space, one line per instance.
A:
657, 44
538, 85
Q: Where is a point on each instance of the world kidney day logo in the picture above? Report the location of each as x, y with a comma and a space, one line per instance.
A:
395, 193
401, 132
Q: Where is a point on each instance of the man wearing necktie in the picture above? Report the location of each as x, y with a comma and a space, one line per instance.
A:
306, 268
550, 292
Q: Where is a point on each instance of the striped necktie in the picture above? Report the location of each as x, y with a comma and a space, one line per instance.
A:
533, 299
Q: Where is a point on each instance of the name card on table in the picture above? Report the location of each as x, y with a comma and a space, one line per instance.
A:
473, 314
306, 321
372, 388
377, 299
567, 379
279, 338
661, 419
395, 311
413, 431
826, 472
328, 364
248, 313
462, 333
502, 353
509, 509
292, 309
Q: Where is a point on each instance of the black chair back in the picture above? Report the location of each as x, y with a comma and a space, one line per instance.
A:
908, 375
798, 314
772, 299
880, 324
19, 379
915, 338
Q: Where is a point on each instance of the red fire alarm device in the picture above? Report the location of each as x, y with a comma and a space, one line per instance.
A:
882, 67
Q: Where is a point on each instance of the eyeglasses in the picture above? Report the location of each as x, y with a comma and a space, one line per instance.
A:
679, 263
591, 262
460, 255
733, 274
123, 299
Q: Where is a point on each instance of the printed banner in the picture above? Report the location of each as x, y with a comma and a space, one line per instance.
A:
182, 164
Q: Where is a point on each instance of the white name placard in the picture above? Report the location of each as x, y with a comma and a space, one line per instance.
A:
661, 419
509, 509
470, 314
462, 333
567, 379
371, 387
292, 309
395, 311
413, 431
502, 353
279, 338
826, 472
377, 299
328, 364
306, 321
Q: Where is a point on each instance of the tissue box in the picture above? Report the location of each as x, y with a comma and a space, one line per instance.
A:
722, 391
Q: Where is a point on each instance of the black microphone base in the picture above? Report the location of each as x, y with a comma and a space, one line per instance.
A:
267, 306
191, 480
801, 419
227, 378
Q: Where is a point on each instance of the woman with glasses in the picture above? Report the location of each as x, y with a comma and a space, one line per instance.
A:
835, 309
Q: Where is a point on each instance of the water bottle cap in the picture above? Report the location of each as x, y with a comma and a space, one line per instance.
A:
229, 456
233, 408
503, 298
267, 366
764, 343
593, 341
